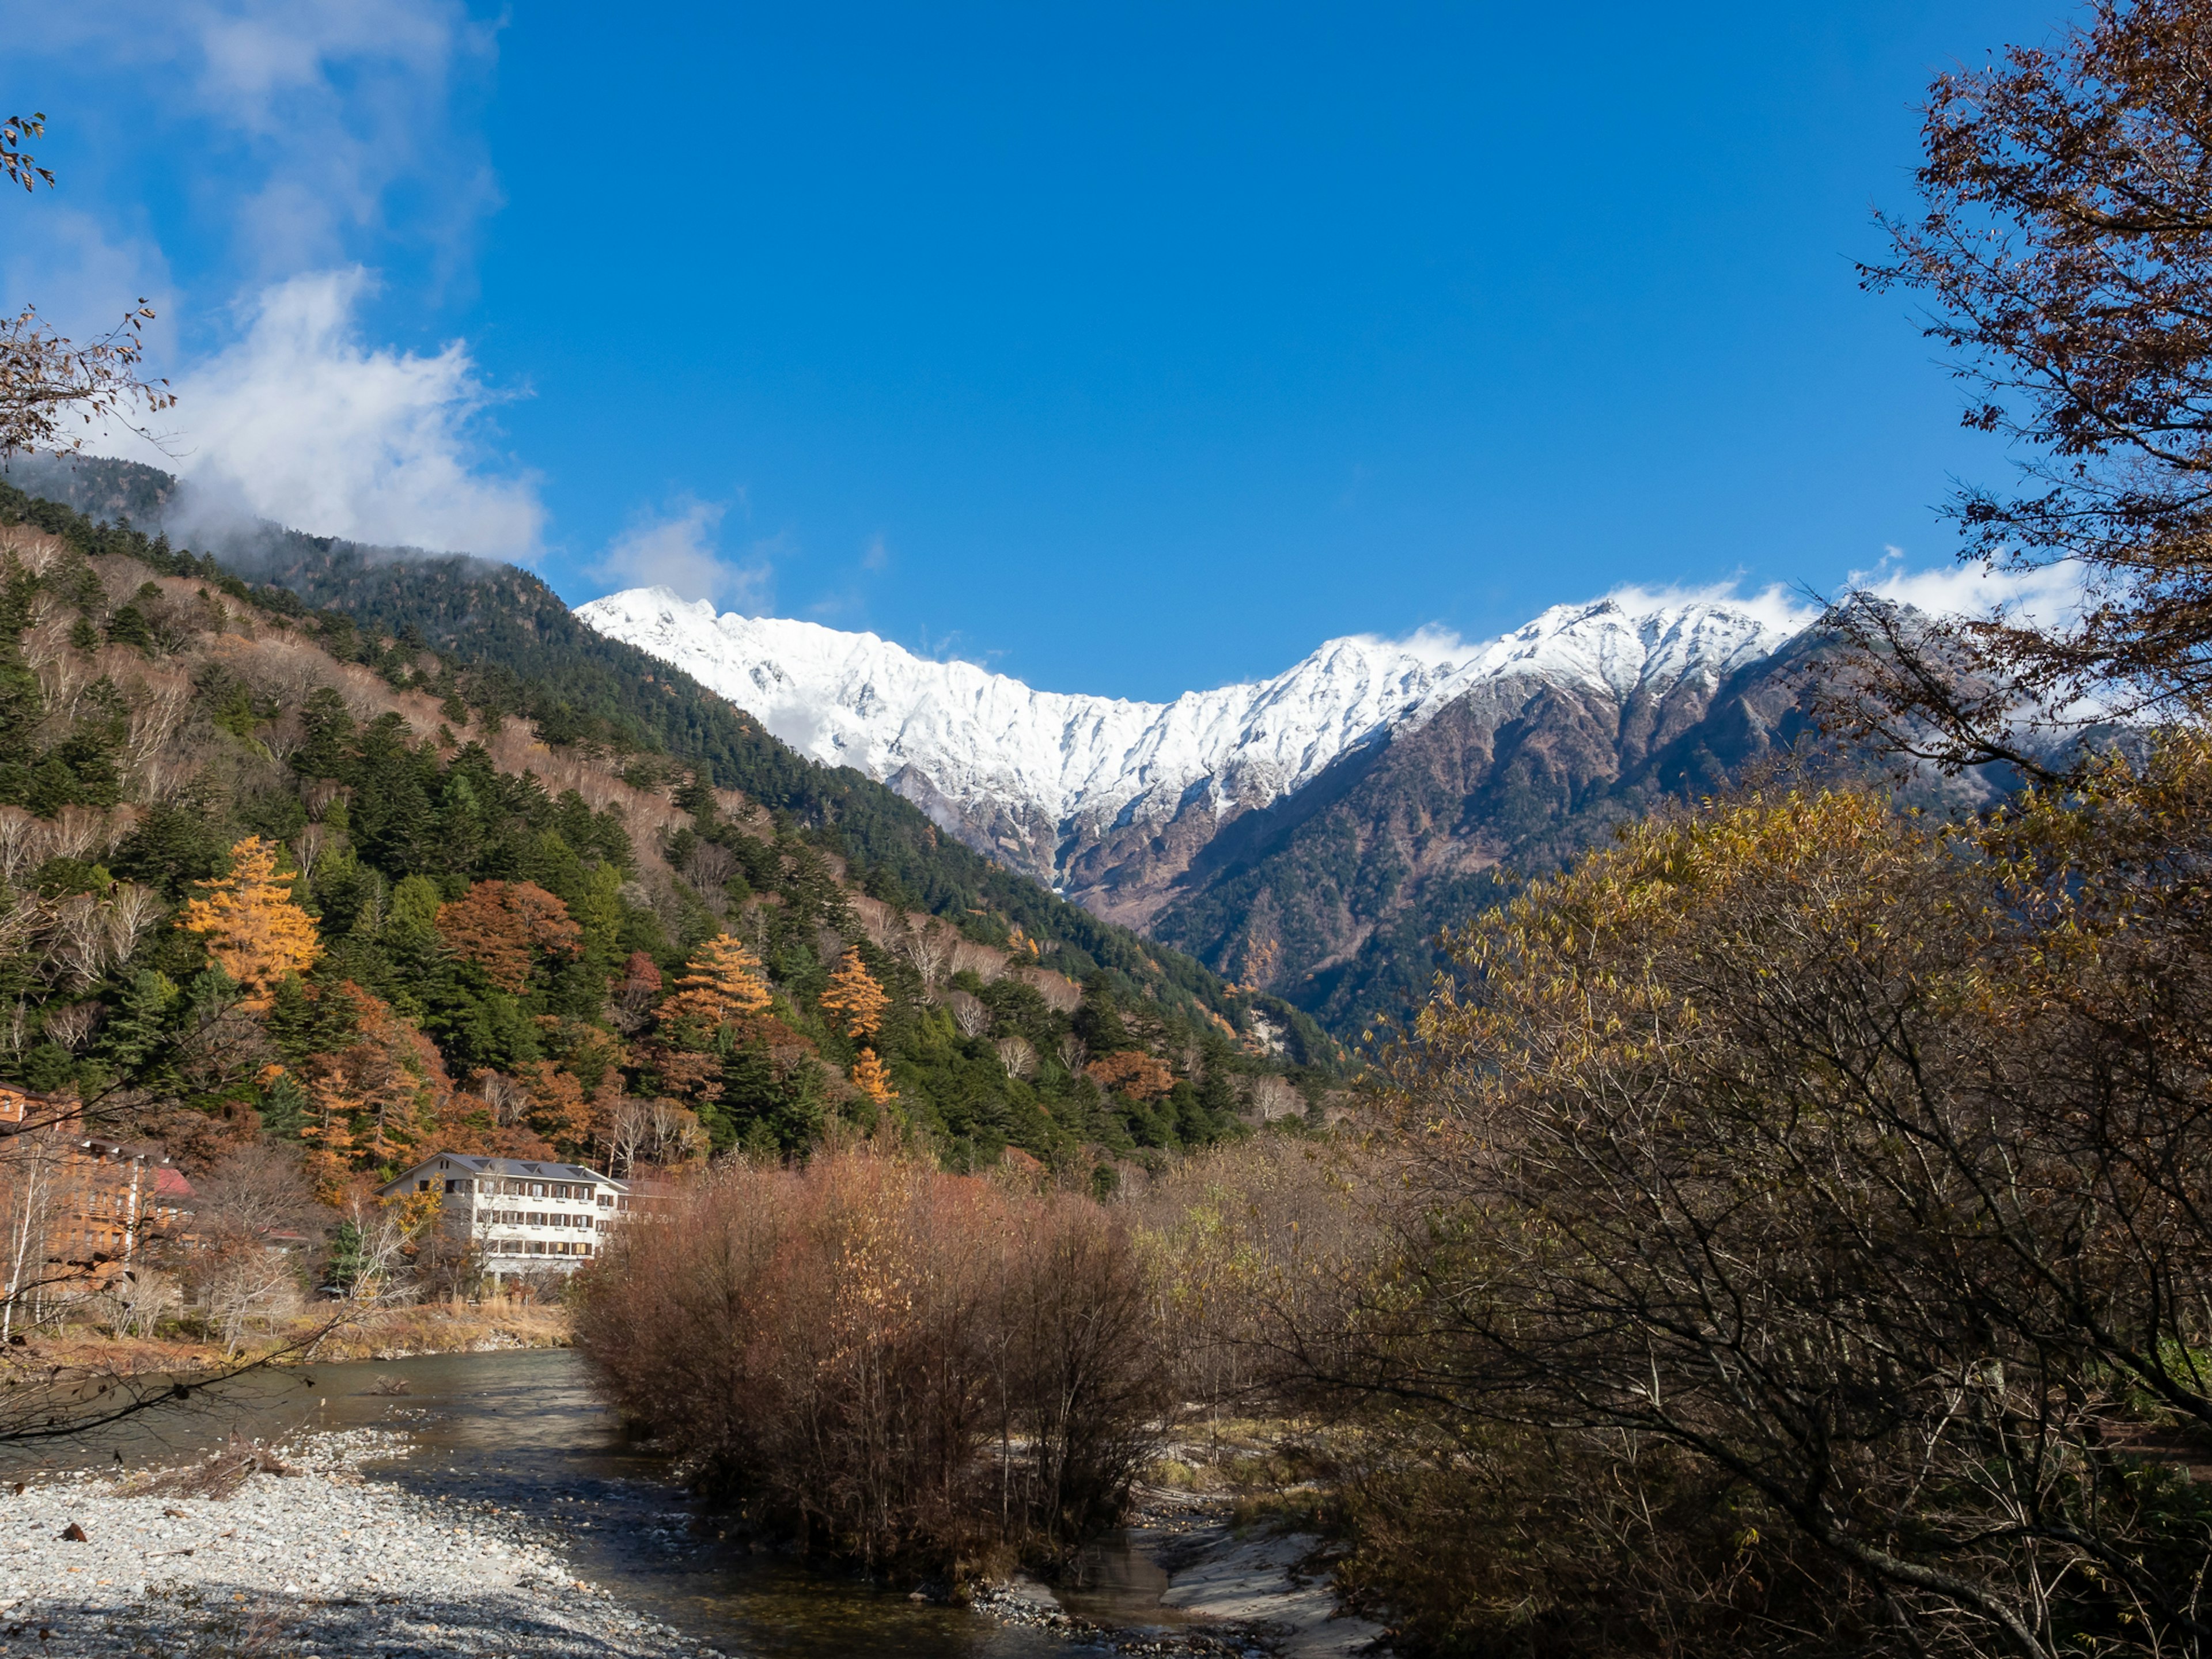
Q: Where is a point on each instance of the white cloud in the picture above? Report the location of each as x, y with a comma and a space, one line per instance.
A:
2050, 597
301, 421
1774, 605
680, 550
323, 135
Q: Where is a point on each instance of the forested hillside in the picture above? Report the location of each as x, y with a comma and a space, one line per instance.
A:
271, 871
519, 651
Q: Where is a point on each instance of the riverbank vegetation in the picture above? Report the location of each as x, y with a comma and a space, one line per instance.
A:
885, 1360
392, 1332
1788, 1232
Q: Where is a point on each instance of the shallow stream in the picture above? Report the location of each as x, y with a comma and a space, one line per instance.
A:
520, 1431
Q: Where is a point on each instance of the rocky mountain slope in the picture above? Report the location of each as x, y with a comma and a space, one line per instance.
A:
1111, 801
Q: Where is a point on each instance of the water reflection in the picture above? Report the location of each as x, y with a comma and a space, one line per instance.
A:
520, 1431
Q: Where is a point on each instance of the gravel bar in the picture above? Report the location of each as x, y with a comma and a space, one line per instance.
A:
318, 1562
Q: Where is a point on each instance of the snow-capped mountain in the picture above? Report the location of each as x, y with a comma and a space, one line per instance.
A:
1039, 778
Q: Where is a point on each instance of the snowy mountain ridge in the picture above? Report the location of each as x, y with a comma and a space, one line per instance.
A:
975, 747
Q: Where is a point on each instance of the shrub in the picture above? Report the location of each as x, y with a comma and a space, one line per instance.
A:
895, 1363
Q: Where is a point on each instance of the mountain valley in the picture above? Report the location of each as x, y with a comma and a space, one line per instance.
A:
1303, 838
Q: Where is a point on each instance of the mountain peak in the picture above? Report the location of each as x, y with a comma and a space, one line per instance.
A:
1030, 775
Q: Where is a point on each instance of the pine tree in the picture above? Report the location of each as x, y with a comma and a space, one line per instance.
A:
253, 928
856, 998
283, 1105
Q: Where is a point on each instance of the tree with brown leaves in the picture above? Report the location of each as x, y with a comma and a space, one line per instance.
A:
503, 927
54, 394
2065, 246
1133, 1073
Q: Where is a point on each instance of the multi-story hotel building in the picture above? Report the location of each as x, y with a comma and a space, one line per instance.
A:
521, 1214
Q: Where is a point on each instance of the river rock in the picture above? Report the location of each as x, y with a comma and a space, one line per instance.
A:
321, 1565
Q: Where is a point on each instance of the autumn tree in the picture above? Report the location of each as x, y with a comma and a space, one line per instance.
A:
873, 1079
855, 998
1132, 1072
2064, 248
1836, 1178
559, 1110
723, 984
54, 394
502, 926
377, 1099
252, 926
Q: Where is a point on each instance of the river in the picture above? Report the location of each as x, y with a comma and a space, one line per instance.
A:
520, 1431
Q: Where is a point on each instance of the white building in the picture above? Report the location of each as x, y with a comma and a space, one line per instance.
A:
522, 1214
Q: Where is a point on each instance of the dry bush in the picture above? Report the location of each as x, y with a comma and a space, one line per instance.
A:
894, 1362
1257, 1251
219, 1474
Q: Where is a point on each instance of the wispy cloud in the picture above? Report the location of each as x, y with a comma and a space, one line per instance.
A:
680, 549
1775, 605
309, 114
303, 422
2049, 596
318, 139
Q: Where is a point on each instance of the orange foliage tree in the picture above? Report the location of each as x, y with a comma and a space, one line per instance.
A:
559, 1110
724, 985
253, 927
500, 924
1132, 1072
387, 1089
855, 997
870, 1077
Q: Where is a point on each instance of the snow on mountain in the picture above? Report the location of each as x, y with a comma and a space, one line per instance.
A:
1054, 765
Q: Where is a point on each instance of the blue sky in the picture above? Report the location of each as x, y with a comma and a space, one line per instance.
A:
1125, 349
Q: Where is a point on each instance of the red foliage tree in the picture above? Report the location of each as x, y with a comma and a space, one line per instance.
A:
503, 926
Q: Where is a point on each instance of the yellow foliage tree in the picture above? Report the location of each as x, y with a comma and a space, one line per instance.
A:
724, 984
855, 996
870, 1077
251, 926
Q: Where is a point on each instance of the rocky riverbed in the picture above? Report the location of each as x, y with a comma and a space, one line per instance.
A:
485, 1504
314, 1561
1213, 1590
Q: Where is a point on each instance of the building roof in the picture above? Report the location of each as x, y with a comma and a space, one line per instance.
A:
512, 1169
